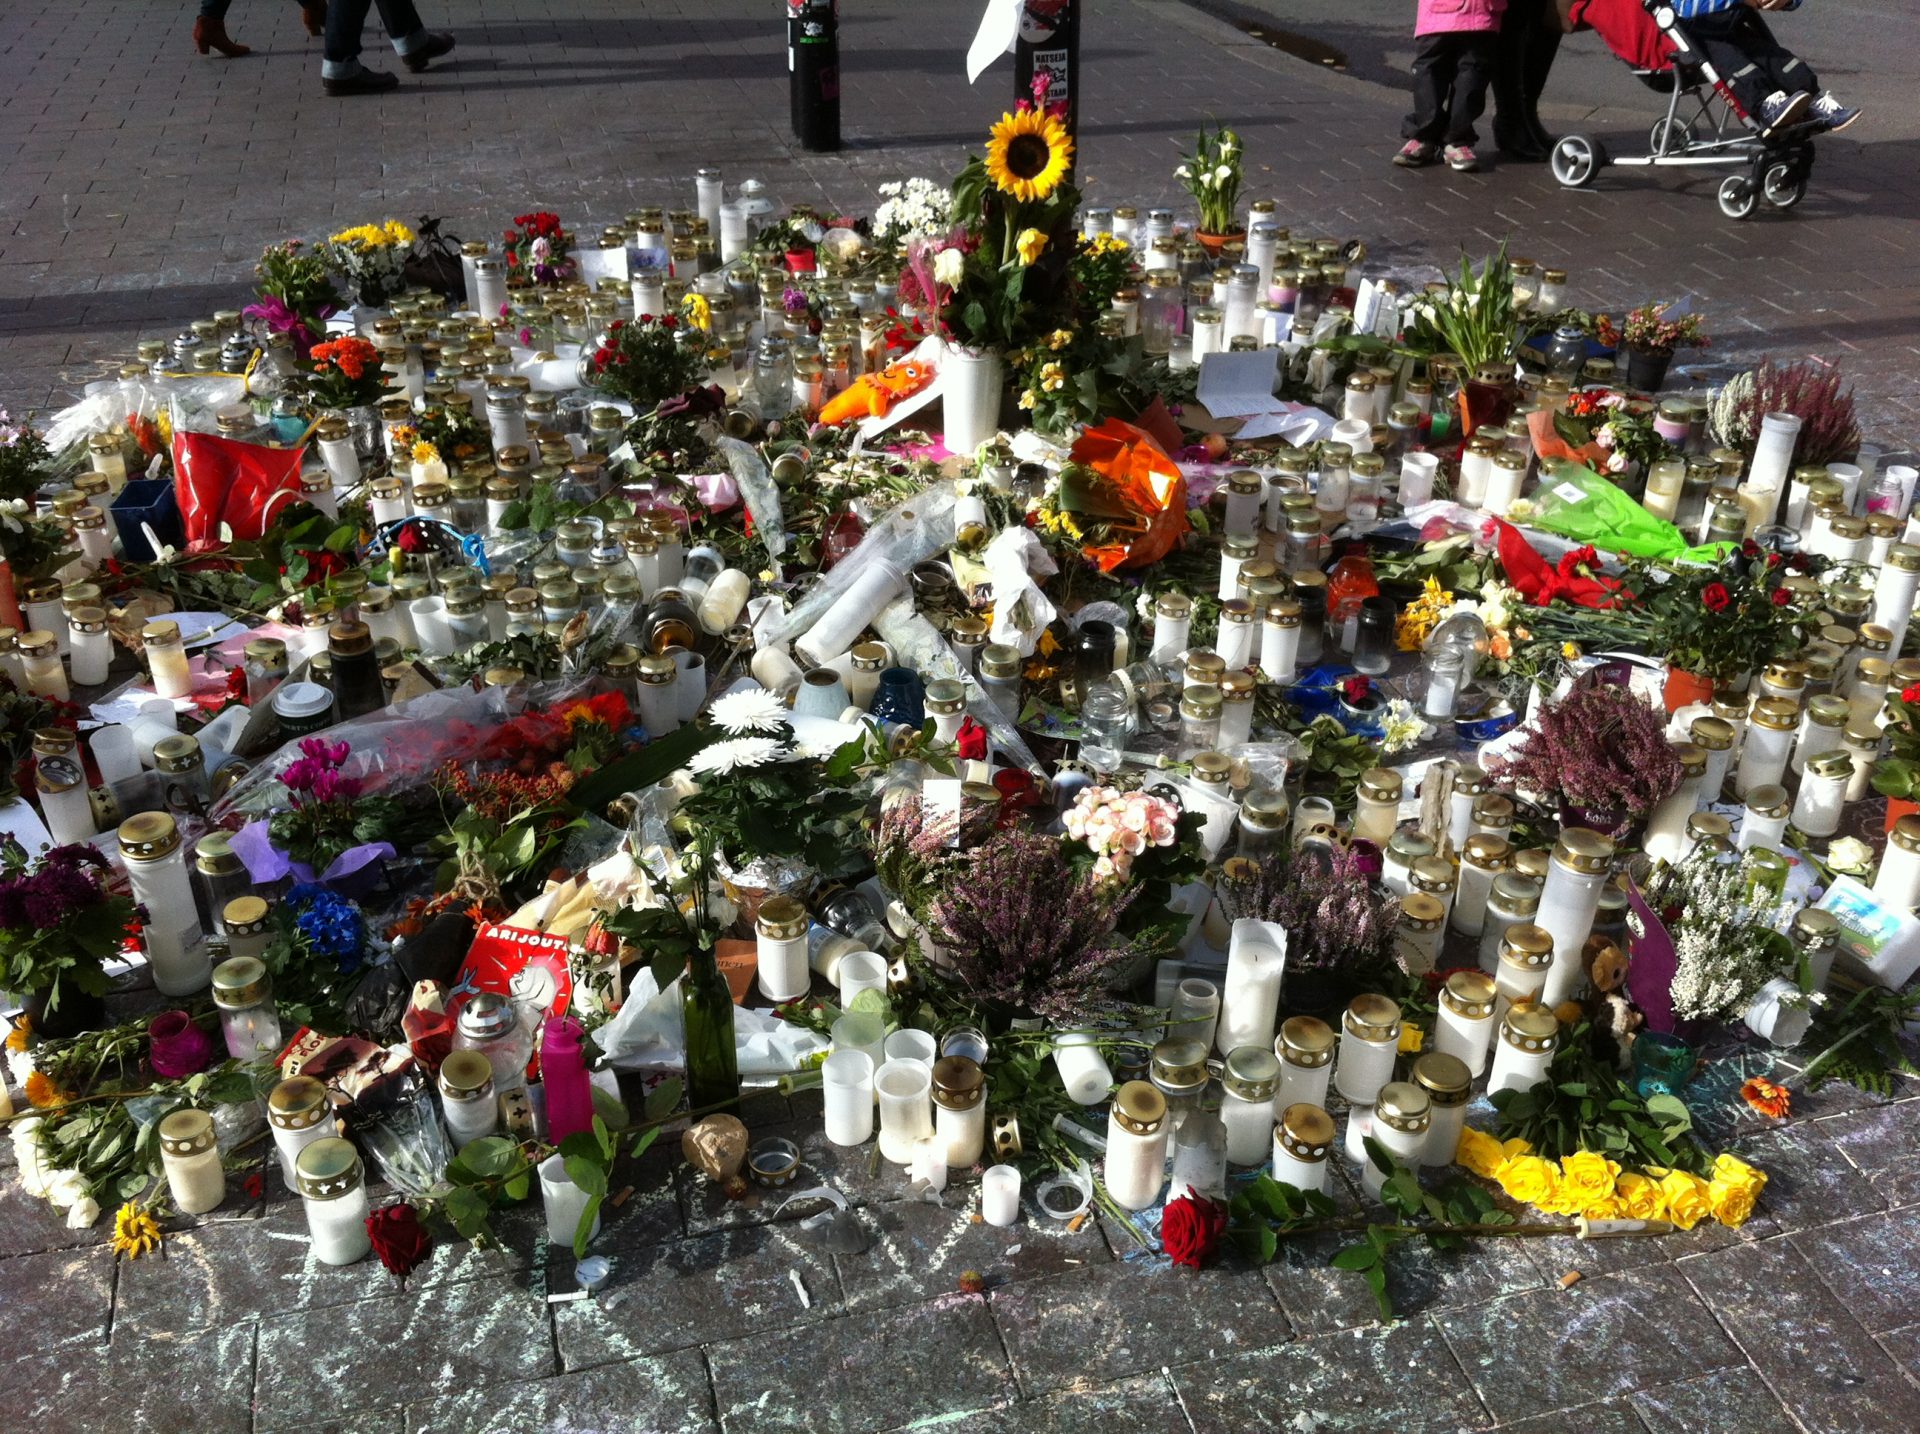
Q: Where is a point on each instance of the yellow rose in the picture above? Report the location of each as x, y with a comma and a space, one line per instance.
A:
1480, 1153
1611, 1208
1030, 245
1412, 1039
1530, 1180
1516, 1147
1687, 1200
1589, 1176
1733, 1190
1640, 1196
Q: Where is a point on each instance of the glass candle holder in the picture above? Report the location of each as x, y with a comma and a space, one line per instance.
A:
333, 1190
1763, 756
860, 971
1302, 1141
1577, 872
1084, 1072
1764, 822
298, 1113
1449, 1086
1369, 1040
1250, 999
190, 1156
1402, 1115
1305, 1047
1136, 1158
1529, 1035
780, 932
904, 1089
244, 993
157, 870
468, 1102
1823, 794
1280, 640
1662, 1064
1897, 882
1251, 1078
1377, 806
1000, 1195
846, 1082
1463, 1026
959, 1110
1195, 1011
563, 1202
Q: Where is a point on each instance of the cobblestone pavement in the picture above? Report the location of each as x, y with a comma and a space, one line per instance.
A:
142, 180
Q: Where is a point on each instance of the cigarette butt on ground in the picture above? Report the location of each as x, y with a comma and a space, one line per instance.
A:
1570, 1279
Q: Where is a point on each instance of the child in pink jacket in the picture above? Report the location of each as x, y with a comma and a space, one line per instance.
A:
1451, 72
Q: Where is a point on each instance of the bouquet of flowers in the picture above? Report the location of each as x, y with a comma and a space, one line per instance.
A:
1212, 175
370, 259
1725, 942
1600, 753
1001, 280
647, 360
539, 250
330, 812
1648, 329
912, 209
59, 922
1621, 431
346, 374
24, 456
1719, 622
34, 544
296, 295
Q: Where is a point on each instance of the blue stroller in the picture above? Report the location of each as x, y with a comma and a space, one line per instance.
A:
1703, 124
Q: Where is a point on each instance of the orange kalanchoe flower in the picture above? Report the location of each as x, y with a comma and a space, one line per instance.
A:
1772, 1101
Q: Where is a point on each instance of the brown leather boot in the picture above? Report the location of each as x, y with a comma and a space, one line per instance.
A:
212, 35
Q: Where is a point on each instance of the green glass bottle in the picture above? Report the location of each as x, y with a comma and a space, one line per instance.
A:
706, 1003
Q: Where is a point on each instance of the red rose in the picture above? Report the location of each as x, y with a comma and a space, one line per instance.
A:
971, 743
399, 1239
1779, 597
1716, 597
1190, 1230
410, 539
1910, 693
1749, 549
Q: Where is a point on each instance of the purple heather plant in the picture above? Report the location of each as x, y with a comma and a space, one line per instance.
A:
1028, 931
1600, 748
1336, 919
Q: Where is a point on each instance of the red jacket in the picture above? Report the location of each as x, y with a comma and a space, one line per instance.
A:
1626, 27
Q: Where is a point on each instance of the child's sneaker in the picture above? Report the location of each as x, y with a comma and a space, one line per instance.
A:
1780, 109
1831, 113
1415, 154
1461, 159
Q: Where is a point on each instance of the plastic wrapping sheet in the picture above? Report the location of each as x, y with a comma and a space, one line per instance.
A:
916, 530
755, 481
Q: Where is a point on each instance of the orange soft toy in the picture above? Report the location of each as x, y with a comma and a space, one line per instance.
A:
872, 394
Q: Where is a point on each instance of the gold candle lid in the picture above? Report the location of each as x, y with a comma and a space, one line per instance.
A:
1528, 946
1469, 994
466, 1074
187, 1132
1531, 1028
1403, 1106
1583, 850
1304, 1041
1446, 1079
327, 1169
1374, 1018
1306, 1131
148, 836
239, 982
301, 1101
1139, 1108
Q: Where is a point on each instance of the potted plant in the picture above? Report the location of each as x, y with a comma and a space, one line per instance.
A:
1650, 337
645, 360
777, 816
1713, 625
1340, 923
1474, 320
347, 379
59, 922
370, 259
1896, 776
1600, 755
296, 296
1212, 176
1810, 391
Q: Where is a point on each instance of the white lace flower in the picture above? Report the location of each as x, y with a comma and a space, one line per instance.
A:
737, 754
753, 709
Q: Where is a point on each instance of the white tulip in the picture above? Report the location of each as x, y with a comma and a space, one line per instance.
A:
949, 267
1183, 173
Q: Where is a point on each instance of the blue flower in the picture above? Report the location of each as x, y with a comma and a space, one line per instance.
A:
330, 925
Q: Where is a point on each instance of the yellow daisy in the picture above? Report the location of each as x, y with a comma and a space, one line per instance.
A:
1028, 154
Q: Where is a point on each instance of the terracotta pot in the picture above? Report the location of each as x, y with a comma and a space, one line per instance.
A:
1898, 807
1214, 243
1684, 687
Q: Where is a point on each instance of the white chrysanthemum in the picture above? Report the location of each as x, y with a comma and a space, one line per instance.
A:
753, 709
737, 754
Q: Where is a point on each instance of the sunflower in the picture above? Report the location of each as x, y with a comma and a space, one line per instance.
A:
1028, 154
135, 1232
42, 1093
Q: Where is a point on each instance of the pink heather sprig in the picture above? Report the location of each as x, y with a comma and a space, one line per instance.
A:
1335, 918
1599, 747
1118, 826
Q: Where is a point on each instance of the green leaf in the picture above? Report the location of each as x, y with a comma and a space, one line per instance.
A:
583, 1233
639, 769
1356, 1257
663, 1099
1376, 1278
489, 1157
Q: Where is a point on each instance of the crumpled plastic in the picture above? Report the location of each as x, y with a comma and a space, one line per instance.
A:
649, 1033
914, 531
1021, 611
755, 482
1578, 503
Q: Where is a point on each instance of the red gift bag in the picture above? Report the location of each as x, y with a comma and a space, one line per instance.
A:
224, 481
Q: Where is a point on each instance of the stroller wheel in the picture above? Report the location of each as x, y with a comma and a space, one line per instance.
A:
1784, 185
1576, 160
1738, 196
1665, 138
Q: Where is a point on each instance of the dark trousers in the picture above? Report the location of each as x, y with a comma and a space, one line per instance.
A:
346, 18
217, 9
1743, 52
1450, 77
1529, 40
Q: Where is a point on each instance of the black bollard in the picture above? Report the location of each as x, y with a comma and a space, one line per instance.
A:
1049, 44
813, 72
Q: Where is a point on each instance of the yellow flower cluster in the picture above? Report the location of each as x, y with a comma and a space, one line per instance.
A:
1053, 378
1421, 616
424, 452
1098, 246
1059, 339
375, 236
697, 311
135, 1232
1057, 522
1587, 1183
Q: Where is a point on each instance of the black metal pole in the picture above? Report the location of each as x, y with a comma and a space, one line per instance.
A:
813, 72
1049, 43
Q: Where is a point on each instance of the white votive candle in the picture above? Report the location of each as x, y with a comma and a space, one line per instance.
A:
1000, 1195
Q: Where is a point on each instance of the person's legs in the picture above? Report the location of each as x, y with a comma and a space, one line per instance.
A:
412, 41
1722, 39
340, 52
1433, 72
1510, 128
1543, 44
1472, 75
1780, 68
210, 30
214, 9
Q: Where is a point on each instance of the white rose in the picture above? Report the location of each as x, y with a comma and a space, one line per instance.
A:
82, 1213
65, 1188
949, 267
